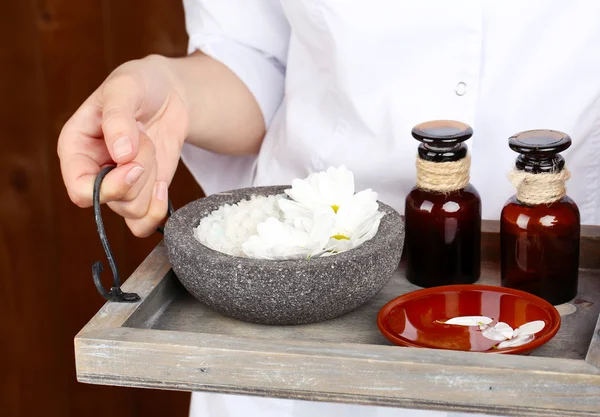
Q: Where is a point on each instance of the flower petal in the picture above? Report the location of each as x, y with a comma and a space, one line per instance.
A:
343, 184
501, 331
505, 329
493, 334
516, 341
327, 188
367, 230
365, 196
338, 245
304, 193
530, 328
292, 209
322, 228
469, 320
354, 212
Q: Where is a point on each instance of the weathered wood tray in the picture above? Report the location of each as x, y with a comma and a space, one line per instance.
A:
169, 340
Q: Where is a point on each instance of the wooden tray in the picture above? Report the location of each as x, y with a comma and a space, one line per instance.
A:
169, 340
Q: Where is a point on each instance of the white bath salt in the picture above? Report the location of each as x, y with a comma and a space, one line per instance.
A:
226, 228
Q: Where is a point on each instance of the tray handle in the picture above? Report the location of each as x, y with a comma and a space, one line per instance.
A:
115, 294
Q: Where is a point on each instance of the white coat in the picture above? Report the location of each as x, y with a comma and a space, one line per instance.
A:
344, 81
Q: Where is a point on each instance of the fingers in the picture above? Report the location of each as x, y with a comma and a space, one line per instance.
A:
137, 176
167, 156
157, 211
145, 206
121, 96
115, 185
82, 152
130, 196
101, 132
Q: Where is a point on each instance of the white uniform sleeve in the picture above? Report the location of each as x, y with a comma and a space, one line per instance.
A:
251, 38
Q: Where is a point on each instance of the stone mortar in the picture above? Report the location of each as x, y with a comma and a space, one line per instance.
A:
297, 291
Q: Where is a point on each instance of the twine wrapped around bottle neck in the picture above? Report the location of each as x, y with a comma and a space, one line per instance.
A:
543, 188
443, 176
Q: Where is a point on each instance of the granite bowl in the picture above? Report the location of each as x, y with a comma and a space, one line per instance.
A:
283, 292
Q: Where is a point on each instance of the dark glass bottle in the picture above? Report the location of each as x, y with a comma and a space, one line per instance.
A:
443, 226
540, 242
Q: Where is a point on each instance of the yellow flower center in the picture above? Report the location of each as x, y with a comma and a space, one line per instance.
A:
335, 208
340, 237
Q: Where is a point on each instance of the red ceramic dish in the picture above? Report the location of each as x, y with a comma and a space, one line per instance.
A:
413, 318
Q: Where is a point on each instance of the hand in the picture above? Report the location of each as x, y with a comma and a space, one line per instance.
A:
138, 120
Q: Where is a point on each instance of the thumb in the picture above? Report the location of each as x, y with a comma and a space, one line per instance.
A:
120, 97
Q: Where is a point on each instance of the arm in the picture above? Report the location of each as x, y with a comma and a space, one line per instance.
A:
224, 116
141, 115
251, 39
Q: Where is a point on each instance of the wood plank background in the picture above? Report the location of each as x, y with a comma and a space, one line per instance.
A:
53, 54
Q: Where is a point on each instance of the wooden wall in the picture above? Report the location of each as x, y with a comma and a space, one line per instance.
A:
53, 54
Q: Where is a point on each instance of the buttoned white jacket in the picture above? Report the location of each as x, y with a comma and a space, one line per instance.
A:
344, 82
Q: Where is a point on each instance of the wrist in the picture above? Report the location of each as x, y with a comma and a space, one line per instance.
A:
222, 114
193, 78
169, 69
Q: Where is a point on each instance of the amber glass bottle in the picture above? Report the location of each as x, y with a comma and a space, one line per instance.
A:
539, 228
443, 211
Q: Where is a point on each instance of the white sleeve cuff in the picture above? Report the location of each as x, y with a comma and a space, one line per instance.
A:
263, 76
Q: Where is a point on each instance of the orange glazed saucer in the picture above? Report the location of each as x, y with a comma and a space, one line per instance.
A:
417, 319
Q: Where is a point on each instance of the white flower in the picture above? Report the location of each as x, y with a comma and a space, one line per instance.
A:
323, 216
355, 221
331, 189
278, 240
357, 216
